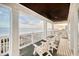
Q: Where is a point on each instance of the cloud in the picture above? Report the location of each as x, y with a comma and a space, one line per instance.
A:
30, 26
29, 19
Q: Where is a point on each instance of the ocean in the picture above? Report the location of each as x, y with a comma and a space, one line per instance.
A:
22, 30
4, 30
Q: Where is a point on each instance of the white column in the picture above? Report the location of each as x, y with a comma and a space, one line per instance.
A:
52, 28
45, 30
32, 38
14, 35
70, 31
73, 27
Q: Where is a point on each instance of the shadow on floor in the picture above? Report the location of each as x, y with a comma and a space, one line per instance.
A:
28, 51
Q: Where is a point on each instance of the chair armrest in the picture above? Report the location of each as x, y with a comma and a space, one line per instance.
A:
35, 45
42, 42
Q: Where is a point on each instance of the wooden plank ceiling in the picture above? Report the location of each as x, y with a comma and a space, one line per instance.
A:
52, 11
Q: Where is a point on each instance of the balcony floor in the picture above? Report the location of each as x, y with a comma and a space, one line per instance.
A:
28, 51
63, 49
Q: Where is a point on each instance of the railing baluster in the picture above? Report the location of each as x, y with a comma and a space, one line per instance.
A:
7, 44
1, 46
4, 44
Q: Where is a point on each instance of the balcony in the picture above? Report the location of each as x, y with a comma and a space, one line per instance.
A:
42, 39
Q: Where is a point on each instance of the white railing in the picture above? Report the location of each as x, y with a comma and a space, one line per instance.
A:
25, 40
4, 45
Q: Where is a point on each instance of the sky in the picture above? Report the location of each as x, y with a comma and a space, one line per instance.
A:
4, 17
25, 21
29, 21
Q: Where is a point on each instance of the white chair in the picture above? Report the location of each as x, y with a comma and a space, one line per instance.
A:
50, 44
40, 50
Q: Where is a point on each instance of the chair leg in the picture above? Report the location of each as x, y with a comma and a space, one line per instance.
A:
34, 53
52, 50
49, 54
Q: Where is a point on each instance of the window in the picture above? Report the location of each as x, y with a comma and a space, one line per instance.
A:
4, 21
4, 29
30, 29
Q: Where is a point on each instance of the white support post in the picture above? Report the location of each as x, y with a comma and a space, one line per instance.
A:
32, 38
45, 30
73, 27
70, 30
52, 29
75, 24
14, 36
